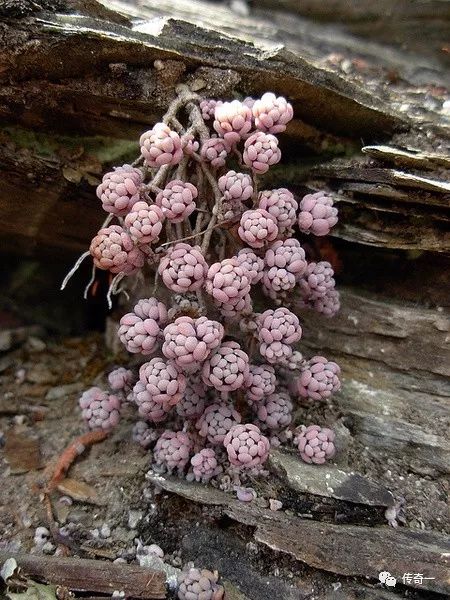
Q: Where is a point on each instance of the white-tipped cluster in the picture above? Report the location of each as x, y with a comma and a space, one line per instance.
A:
215, 151
196, 584
113, 250
315, 444
236, 187
317, 214
319, 379
227, 368
260, 382
246, 446
172, 450
252, 264
257, 228
120, 189
216, 422
148, 408
163, 381
274, 412
272, 113
316, 281
99, 409
144, 223
229, 286
184, 268
232, 121
281, 205
140, 330
205, 465
161, 146
192, 404
143, 434
261, 152
277, 331
189, 342
177, 200
120, 379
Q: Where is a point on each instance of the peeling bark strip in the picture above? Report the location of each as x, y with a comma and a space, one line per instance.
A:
109, 84
82, 575
348, 550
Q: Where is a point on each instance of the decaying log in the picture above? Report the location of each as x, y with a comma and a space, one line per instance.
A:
110, 85
342, 549
82, 575
396, 362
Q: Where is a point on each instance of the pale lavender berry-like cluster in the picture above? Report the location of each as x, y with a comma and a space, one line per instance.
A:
217, 370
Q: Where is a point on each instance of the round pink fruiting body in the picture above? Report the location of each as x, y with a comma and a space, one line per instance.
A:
120, 189
329, 304
227, 368
184, 268
163, 381
319, 379
288, 255
260, 382
274, 412
208, 106
257, 228
281, 204
192, 404
120, 378
139, 331
261, 152
144, 223
172, 450
189, 342
236, 186
252, 265
156, 412
99, 409
246, 446
317, 214
316, 281
161, 146
113, 250
277, 331
227, 283
144, 435
276, 281
215, 151
232, 121
196, 584
272, 113
205, 465
315, 444
216, 421
177, 200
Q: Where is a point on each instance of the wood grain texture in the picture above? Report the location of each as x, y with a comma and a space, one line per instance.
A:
82, 575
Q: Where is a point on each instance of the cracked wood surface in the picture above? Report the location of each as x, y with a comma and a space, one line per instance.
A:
350, 550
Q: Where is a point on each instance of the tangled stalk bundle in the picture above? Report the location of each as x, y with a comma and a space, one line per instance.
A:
220, 373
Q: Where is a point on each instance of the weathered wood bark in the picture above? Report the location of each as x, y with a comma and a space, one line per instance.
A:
343, 549
109, 85
81, 575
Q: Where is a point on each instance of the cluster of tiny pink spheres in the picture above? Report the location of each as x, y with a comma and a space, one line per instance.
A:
220, 373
